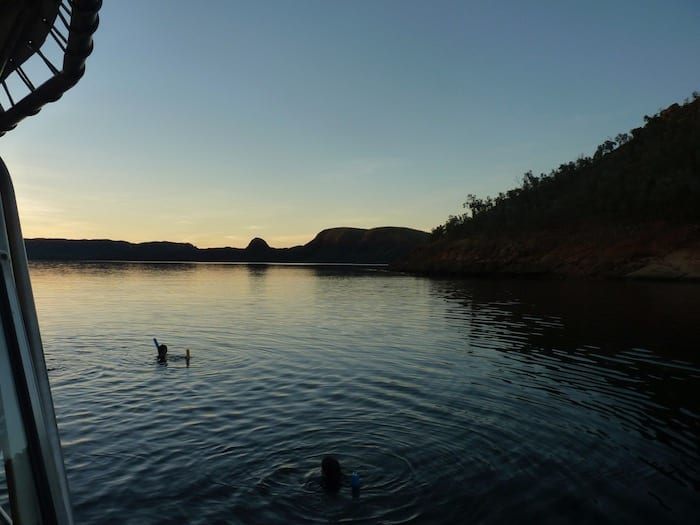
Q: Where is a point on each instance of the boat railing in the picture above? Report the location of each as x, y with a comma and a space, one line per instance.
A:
43, 48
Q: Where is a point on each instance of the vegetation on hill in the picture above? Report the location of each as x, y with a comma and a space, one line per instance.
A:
650, 174
631, 210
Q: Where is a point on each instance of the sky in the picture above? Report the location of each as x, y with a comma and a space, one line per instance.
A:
218, 122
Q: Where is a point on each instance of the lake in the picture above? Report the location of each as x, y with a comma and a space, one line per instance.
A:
457, 401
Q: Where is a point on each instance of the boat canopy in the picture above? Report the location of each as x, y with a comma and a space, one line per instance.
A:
43, 48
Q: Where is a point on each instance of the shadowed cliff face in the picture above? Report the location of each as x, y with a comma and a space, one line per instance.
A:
375, 236
360, 245
335, 245
645, 251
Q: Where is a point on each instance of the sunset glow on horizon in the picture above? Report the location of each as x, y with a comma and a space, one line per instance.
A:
279, 119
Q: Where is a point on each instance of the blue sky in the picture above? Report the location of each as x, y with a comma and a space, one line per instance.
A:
218, 122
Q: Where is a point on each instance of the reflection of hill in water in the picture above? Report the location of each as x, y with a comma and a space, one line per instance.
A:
624, 351
572, 314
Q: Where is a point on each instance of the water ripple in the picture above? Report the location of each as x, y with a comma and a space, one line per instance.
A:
456, 401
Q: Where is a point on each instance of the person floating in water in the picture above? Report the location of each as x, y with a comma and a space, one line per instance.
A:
162, 353
331, 475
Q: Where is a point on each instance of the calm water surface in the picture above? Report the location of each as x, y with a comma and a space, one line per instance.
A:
456, 401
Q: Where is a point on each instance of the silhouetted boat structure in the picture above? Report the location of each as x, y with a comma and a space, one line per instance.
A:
43, 48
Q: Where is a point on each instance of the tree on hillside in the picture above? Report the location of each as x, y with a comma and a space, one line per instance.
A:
655, 176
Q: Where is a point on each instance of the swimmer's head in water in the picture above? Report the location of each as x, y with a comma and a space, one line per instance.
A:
162, 351
331, 474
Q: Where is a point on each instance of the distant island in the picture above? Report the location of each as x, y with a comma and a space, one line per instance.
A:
632, 210
335, 245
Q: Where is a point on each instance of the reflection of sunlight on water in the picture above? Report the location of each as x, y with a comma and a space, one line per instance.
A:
455, 400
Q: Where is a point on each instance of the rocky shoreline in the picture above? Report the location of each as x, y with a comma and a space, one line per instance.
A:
653, 251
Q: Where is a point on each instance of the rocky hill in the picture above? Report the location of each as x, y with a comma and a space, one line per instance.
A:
358, 245
632, 210
335, 245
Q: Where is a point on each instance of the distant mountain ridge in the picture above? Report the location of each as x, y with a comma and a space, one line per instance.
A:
335, 245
